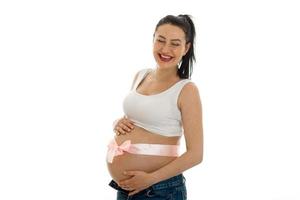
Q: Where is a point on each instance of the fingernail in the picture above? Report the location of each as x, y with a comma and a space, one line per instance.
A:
125, 173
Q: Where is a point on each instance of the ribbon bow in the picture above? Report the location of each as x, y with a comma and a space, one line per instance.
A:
115, 150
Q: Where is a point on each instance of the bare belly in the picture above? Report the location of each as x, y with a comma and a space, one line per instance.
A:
145, 163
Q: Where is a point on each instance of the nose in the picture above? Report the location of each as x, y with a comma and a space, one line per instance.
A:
165, 49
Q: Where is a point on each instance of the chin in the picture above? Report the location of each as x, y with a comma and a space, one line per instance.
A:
163, 65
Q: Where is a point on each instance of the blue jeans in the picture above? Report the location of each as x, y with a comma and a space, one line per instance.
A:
171, 189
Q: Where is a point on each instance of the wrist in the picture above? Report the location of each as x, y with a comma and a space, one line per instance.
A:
155, 178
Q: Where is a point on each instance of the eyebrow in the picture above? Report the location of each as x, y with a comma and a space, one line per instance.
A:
171, 40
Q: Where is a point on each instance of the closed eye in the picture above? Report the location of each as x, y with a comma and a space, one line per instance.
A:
160, 40
175, 44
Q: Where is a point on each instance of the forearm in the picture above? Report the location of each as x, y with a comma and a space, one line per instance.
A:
177, 166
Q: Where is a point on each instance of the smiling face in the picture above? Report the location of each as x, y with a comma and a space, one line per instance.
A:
169, 45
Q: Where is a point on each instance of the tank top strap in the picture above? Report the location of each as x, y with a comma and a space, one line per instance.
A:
178, 87
141, 75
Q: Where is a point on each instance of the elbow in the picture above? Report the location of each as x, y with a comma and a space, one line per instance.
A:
198, 160
195, 156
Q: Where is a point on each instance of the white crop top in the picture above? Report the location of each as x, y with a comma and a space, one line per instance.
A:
157, 113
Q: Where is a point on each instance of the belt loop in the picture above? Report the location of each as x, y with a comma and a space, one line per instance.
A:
148, 193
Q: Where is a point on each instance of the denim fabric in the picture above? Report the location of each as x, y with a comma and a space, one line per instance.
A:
171, 189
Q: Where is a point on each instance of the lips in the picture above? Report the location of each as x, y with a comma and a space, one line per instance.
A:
165, 58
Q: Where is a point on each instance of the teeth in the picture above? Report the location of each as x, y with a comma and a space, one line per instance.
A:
167, 57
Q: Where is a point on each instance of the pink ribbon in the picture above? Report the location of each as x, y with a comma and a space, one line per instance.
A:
144, 149
115, 150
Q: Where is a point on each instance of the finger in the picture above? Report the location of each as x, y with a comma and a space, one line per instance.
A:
129, 123
117, 132
126, 121
120, 131
130, 173
123, 183
126, 188
133, 192
125, 127
123, 132
130, 126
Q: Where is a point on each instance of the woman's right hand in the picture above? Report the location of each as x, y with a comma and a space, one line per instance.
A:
122, 126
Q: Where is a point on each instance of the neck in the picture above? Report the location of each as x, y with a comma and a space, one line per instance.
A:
165, 74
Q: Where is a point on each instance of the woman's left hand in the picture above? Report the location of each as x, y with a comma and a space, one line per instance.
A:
139, 181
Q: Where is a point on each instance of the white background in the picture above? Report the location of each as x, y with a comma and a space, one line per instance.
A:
65, 67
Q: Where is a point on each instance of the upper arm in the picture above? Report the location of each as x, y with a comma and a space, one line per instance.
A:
191, 114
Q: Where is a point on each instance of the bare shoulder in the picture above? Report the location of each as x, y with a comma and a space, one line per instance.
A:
189, 95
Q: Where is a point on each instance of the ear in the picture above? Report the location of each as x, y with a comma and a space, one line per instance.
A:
187, 47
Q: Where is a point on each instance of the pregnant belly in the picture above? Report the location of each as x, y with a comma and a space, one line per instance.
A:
147, 163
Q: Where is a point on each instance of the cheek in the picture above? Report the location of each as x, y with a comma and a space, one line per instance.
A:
179, 52
154, 52
156, 47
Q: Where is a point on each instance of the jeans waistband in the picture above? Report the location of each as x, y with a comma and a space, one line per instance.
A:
175, 181
171, 182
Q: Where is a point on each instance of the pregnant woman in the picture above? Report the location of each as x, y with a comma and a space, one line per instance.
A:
162, 106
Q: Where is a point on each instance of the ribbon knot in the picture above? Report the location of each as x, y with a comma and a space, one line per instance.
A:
115, 150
